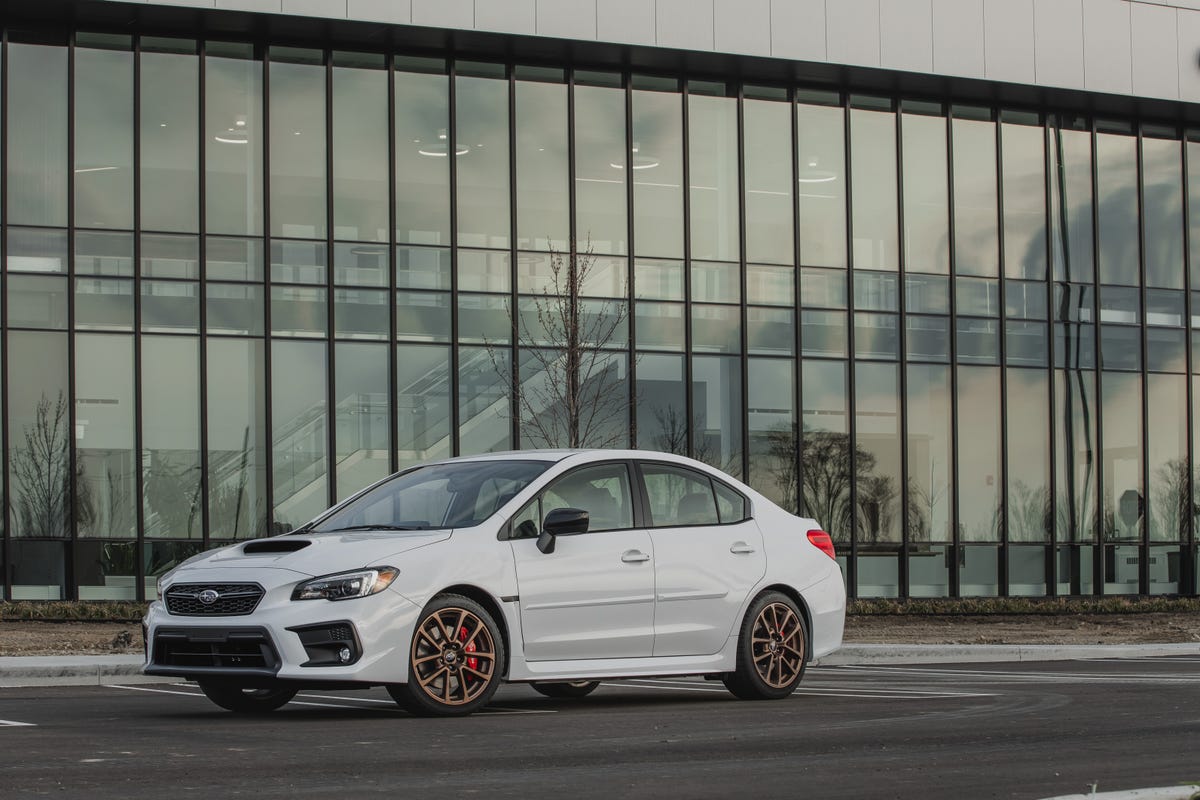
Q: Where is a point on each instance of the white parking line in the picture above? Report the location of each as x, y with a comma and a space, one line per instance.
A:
8, 723
818, 691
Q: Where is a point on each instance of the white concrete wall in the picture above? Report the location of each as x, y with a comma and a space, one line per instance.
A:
1148, 48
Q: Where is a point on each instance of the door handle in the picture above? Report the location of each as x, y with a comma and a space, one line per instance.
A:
740, 548
634, 557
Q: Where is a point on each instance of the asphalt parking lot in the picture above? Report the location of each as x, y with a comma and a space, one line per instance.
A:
1023, 730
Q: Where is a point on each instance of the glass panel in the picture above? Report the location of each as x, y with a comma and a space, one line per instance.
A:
978, 341
1075, 346
926, 194
930, 504
169, 144
298, 262
103, 253
429, 268
770, 286
876, 291
107, 570
929, 571
38, 570
1165, 350
483, 319
360, 149
716, 329
1122, 466
770, 331
713, 176
234, 309
234, 259
660, 326
103, 138
1025, 343
1026, 571
106, 485
422, 403
1075, 453
599, 419
823, 333
1025, 300
360, 264
485, 424
821, 162
658, 173
1122, 569
361, 416
661, 408
603, 491
37, 301
658, 280
298, 437
422, 162
103, 304
873, 154
823, 288
977, 297
299, 311
1073, 302
233, 140
170, 257
877, 453
170, 306
717, 406
1162, 209
170, 386
1075, 570
1164, 308
1166, 451
1029, 509
716, 283
298, 157
825, 447
37, 136
360, 313
1193, 189
1164, 569
928, 338
1071, 203
39, 435
158, 558
36, 250
877, 336
978, 572
600, 220
1120, 347
543, 192
482, 160
678, 497
926, 294
1120, 305
772, 430
976, 219
237, 446
767, 132
1024, 167
978, 462
1117, 208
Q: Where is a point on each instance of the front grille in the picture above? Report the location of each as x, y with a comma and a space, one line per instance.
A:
228, 649
233, 599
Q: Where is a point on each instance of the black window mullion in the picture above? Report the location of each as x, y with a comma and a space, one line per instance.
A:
630, 271
1051, 555
268, 341
205, 488
393, 401
1144, 532
902, 334
1002, 311
452, 147
330, 338
797, 295
1097, 537
72, 591
955, 537
689, 400
743, 314
514, 372
5, 498
1187, 576
851, 360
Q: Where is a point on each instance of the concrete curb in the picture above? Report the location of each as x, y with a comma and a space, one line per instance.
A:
16, 671
1159, 793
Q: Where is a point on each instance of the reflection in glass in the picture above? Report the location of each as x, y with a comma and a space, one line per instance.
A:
1193, 191
170, 306
299, 311
107, 570
37, 135
1029, 507
542, 186
1162, 210
770, 331
169, 144
660, 326
360, 148
661, 407
976, 220
821, 164
237, 439
978, 461
768, 200
877, 453
1117, 208
234, 259
772, 430
873, 155
422, 159
717, 407
170, 383
361, 415
37, 301
484, 410
658, 173
39, 434
233, 140
1166, 454
1124, 504
482, 161
360, 313
929, 458
298, 158
1075, 453
600, 220
602, 419
106, 486
298, 437
422, 403
1024, 167
825, 447
103, 304
713, 177
103, 253
103, 138
926, 194
1071, 203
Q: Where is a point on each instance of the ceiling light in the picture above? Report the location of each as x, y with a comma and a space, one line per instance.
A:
96, 169
639, 161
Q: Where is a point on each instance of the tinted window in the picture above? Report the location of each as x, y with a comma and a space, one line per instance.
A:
730, 504
679, 497
602, 491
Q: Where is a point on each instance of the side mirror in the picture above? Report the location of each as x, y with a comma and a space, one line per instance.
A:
561, 522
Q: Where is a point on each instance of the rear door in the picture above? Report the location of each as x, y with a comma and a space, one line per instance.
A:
707, 555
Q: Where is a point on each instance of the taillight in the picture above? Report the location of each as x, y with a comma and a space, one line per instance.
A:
822, 542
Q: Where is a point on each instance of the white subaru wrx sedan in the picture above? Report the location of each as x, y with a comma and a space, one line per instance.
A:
555, 568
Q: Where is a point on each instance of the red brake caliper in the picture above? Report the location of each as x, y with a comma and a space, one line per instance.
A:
472, 662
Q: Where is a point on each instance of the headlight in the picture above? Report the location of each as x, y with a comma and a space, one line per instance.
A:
346, 585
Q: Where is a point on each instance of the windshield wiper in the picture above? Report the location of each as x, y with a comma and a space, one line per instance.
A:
378, 527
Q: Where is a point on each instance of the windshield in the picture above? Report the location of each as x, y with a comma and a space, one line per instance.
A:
458, 495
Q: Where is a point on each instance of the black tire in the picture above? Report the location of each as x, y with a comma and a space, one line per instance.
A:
241, 700
772, 650
451, 675
571, 690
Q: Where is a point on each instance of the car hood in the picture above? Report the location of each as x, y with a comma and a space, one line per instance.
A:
317, 553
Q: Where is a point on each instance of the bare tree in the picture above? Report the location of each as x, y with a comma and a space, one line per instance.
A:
570, 392
41, 468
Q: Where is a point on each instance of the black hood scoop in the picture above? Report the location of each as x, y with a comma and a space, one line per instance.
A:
275, 546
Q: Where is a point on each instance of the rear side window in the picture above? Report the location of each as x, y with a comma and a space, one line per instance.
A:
730, 504
679, 497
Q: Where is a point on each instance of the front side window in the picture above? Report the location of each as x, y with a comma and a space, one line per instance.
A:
602, 491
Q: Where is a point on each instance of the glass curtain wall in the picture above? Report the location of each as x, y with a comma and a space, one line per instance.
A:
242, 281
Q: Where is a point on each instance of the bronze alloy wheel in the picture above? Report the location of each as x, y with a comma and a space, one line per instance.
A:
777, 641
453, 656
